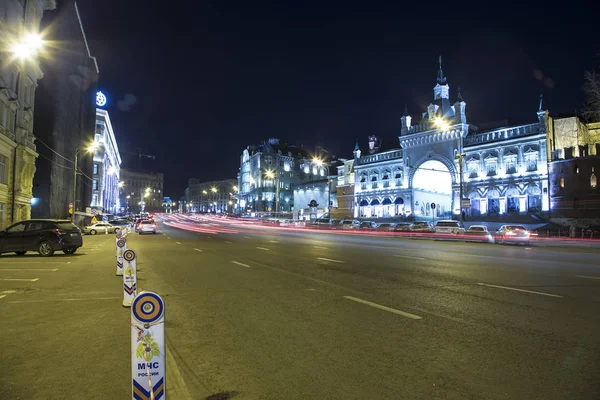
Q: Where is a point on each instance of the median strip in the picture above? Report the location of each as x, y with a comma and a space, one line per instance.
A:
520, 290
239, 263
392, 310
330, 260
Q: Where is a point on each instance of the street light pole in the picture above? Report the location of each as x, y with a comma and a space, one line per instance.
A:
460, 188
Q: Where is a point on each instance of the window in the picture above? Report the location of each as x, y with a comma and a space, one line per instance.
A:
95, 169
531, 164
37, 225
511, 164
3, 170
20, 227
593, 181
562, 182
95, 184
491, 168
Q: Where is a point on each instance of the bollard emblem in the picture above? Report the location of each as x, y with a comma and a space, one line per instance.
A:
121, 243
128, 255
147, 307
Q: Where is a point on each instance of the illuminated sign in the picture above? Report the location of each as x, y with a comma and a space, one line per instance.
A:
100, 99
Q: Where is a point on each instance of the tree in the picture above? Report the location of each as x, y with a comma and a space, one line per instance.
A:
591, 91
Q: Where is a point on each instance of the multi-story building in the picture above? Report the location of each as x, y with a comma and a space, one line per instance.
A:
141, 191
504, 170
106, 168
344, 189
167, 205
210, 197
574, 170
269, 173
19, 75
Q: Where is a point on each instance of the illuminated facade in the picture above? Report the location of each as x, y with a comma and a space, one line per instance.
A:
272, 170
107, 167
19, 75
210, 197
141, 191
504, 170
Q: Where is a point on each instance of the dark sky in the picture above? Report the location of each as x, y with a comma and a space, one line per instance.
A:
200, 80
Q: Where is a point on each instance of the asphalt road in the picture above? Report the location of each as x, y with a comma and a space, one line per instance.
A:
265, 313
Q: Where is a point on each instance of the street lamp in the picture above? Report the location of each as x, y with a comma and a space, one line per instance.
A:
89, 149
28, 46
460, 189
441, 123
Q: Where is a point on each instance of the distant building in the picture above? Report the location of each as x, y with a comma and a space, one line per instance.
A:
344, 189
210, 197
19, 75
106, 167
574, 169
62, 127
269, 173
504, 170
167, 205
141, 191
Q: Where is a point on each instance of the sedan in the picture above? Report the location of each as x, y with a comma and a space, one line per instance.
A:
478, 233
147, 226
101, 227
512, 234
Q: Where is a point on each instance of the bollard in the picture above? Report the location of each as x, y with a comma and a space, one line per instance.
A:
129, 277
148, 347
121, 247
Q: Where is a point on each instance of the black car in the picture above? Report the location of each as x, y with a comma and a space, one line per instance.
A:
42, 235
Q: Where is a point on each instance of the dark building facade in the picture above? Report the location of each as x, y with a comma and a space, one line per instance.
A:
65, 116
141, 191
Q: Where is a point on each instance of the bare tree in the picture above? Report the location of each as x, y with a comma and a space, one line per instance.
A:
591, 90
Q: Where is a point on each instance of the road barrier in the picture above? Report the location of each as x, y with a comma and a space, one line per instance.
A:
129, 277
148, 347
121, 247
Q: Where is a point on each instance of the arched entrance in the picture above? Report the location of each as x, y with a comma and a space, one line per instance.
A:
432, 183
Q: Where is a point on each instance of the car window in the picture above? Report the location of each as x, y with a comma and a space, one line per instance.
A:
447, 223
37, 225
20, 227
476, 228
67, 226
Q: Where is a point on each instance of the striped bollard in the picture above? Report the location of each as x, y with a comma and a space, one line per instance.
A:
129, 278
121, 247
148, 347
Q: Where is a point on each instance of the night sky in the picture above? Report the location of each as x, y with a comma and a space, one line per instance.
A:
195, 82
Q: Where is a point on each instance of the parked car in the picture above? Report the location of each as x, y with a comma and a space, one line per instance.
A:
385, 227
348, 224
449, 226
42, 235
479, 233
367, 226
422, 227
119, 222
100, 227
402, 227
147, 226
512, 234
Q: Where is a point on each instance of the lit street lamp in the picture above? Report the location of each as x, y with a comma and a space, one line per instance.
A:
89, 149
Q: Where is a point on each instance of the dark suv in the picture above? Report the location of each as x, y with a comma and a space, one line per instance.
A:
42, 235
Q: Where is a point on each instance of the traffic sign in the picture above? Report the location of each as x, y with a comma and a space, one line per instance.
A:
94, 220
94, 211
465, 203
105, 218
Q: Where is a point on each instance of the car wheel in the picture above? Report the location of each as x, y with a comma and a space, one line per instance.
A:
45, 249
93, 232
70, 250
20, 253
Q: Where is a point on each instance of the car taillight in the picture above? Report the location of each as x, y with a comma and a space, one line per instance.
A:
58, 232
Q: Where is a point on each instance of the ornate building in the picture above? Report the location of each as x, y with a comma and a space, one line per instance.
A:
106, 168
19, 75
504, 170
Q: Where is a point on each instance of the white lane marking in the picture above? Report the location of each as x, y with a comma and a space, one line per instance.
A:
587, 277
321, 248
28, 269
168, 237
273, 241
9, 291
239, 263
392, 310
247, 237
227, 241
12, 263
2, 296
263, 248
520, 290
198, 250
46, 300
178, 242
527, 248
69, 262
329, 259
19, 279
177, 386
412, 258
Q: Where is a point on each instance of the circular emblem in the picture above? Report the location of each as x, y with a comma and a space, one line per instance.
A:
119, 235
129, 255
100, 99
147, 307
121, 243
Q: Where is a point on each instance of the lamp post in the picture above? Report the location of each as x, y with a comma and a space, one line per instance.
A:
90, 149
273, 175
460, 188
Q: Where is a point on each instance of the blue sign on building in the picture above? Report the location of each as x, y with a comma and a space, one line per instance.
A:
100, 99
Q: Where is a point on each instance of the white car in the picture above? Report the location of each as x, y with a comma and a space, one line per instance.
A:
147, 226
449, 226
101, 227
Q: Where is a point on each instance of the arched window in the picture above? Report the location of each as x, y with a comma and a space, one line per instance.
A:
593, 181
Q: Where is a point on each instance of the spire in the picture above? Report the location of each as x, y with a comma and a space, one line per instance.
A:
441, 80
405, 113
459, 96
356, 146
541, 98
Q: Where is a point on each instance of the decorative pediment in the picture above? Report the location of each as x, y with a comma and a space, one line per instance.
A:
490, 157
472, 160
510, 154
